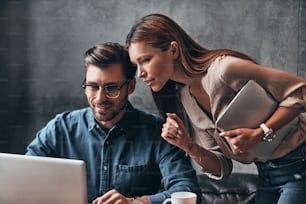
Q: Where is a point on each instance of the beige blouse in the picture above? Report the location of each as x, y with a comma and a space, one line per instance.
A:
222, 82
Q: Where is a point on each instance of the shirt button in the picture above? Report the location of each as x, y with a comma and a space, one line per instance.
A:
105, 168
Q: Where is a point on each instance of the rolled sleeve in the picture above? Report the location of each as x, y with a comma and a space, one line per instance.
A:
226, 167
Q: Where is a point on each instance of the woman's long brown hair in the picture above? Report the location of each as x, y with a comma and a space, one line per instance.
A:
159, 31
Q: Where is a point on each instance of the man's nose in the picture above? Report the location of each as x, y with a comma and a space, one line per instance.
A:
101, 94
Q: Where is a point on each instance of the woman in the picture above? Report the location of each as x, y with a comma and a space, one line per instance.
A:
203, 82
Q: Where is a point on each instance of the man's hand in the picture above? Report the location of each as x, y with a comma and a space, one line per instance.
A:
112, 197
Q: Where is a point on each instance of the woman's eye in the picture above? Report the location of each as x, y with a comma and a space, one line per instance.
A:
145, 60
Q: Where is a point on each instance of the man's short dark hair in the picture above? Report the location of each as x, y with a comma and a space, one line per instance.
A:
105, 54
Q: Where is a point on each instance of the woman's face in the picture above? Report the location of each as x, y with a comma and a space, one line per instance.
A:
154, 66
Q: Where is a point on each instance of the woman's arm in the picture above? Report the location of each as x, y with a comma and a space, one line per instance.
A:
286, 88
175, 133
245, 138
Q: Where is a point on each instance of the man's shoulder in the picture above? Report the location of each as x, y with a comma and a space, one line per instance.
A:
73, 115
146, 116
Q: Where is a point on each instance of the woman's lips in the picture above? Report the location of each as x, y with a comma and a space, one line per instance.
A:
149, 82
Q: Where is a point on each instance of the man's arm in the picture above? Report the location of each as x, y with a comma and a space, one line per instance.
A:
177, 172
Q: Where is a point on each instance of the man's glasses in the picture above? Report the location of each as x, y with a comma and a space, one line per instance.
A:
110, 91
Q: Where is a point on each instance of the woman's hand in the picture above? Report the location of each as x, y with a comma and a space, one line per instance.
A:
175, 133
242, 139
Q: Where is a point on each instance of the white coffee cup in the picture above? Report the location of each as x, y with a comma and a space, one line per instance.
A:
182, 198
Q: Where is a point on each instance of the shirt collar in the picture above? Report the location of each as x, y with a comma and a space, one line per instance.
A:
91, 120
129, 117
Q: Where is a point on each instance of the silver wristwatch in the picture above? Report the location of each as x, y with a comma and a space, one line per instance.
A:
268, 133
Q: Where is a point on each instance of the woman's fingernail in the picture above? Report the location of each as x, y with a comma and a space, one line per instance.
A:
221, 133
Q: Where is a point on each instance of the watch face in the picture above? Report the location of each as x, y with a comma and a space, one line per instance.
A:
269, 137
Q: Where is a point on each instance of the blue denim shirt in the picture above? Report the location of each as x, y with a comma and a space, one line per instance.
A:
131, 158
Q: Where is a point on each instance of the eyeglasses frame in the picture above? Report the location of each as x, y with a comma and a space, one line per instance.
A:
118, 87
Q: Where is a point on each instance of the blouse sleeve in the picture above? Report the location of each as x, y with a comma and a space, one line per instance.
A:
286, 88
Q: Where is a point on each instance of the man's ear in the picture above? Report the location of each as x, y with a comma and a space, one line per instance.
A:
174, 49
132, 85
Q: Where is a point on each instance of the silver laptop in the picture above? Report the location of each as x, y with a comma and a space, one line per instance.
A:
250, 107
41, 180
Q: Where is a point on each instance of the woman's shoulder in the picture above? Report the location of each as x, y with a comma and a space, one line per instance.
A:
230, 62
227, 72
222, 65
226, 66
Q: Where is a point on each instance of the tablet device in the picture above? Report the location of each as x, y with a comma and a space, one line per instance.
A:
252, 106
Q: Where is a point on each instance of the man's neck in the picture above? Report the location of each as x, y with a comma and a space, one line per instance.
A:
113, 122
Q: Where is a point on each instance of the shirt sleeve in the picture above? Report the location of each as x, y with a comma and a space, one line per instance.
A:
44, 144
177, 173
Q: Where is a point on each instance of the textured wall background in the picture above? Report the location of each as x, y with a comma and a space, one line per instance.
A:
42, 43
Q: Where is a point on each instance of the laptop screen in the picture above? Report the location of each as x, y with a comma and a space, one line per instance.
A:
41, 180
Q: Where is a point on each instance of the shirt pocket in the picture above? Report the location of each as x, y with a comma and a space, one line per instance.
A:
130, 176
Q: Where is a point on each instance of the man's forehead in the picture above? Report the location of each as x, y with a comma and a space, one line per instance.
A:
112, 74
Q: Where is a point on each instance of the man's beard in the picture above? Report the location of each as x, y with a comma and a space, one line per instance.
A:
111, 113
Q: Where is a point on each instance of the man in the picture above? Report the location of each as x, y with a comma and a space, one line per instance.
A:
125, 156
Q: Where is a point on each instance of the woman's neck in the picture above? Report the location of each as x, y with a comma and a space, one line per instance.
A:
181, 77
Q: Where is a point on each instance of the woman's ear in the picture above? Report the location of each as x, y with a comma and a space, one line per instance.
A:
174, 49
132, 85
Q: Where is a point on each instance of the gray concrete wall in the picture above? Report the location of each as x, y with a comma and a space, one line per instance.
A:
42, 43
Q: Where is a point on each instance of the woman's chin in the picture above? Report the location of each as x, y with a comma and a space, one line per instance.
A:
156, 88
